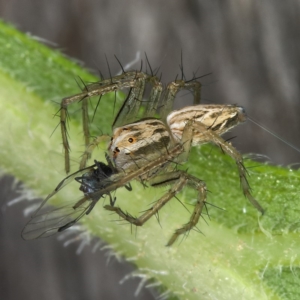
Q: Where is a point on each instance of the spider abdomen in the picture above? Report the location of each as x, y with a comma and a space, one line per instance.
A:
218, 118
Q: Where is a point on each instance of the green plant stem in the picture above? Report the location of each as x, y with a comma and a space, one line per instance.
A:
240, 255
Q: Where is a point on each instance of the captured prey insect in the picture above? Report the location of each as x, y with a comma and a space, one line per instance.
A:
143, 147
48, 220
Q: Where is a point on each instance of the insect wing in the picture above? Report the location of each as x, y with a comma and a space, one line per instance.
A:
49, 219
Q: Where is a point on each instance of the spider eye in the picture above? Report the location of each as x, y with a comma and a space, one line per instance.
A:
130, 140
117, 149
111, 138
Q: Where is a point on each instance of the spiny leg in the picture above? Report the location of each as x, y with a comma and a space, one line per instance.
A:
85, 121
90, 148
173, 88
194, 183
127, 80
178, 185
130, 109
64, 134
178, 180
211, 136
155, 94
93, 89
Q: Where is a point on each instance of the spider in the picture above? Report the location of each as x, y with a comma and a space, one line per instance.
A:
143, 147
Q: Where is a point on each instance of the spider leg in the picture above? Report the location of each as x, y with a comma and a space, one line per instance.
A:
155, 94
178, 180
173, 88
128, 112
130, 109
109, 161
85, 121
193, 182
120, 178
210, 135
131, 105
90, 148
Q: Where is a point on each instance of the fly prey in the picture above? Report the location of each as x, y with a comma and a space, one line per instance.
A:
48, 220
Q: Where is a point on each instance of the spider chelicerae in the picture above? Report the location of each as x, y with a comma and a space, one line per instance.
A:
148, 139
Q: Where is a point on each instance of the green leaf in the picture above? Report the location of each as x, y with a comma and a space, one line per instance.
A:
240, 255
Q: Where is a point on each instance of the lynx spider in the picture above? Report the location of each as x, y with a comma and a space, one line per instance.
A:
145, 148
